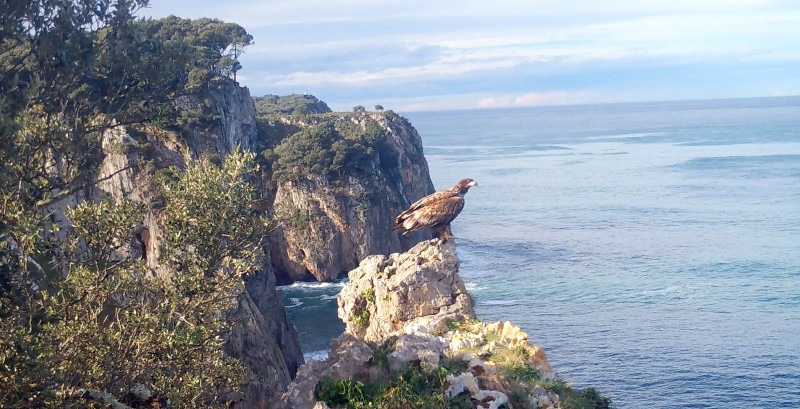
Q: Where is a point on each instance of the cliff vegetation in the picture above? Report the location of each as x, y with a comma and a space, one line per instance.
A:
85, 321
294, 104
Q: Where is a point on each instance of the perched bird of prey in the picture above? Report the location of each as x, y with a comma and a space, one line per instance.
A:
435, 211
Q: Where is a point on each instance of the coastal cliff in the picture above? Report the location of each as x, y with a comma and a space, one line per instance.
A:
338, 180
220, 120
150, 208
325, 222
331, 183
413, 340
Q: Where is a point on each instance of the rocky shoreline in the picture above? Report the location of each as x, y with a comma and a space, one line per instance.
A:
408, 314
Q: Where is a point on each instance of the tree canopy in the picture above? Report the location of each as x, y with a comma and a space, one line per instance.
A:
300, 104
331, 149
80, 316
214, 45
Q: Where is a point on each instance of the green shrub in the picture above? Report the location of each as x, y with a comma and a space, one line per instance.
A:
299, 219
323, 150
110, 324
413, 387
361, 318
294, 104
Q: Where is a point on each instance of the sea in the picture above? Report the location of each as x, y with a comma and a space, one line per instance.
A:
652, 249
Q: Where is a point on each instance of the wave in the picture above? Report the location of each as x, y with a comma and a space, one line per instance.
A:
309, 286
626, 136
320, 355
474, 287
295, 302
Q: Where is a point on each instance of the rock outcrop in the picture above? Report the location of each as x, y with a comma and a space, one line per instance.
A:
410, 311
326, 226
418, 291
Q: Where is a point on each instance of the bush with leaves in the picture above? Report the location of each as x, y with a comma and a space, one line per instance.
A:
331, 149
293, 104
97, 321
214, 46
111, 324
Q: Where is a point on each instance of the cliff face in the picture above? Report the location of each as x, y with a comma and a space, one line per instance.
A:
326, 225
326, 221
408, 316
263, 338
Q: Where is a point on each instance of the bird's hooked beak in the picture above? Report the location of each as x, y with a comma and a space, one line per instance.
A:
472, 183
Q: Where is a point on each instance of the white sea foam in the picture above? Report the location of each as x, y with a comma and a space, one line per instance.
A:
307, 286
473, 287
295, 302
320, 355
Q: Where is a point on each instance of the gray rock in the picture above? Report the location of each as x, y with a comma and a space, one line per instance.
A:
412, 296
347, 360
415, 299
412, 348
464, 382
490, 399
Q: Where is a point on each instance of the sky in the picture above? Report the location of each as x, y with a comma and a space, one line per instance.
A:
434, 55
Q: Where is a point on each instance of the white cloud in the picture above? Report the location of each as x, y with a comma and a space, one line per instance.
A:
370, 47
538, 99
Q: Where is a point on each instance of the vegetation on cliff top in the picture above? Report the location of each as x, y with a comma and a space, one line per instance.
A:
329, 149
417, 385
333, 146
294, 104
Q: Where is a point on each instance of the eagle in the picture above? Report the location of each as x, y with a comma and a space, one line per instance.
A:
435, 211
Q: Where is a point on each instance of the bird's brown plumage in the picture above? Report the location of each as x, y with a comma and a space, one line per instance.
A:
434, 211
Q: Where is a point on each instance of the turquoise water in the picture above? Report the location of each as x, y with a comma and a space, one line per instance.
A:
651, 248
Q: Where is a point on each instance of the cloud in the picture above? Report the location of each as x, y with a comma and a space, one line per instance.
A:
434, 55
538, 99
785, 93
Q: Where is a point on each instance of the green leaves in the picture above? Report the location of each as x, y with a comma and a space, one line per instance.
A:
86, 312
112, 323
212, 46
208, 218
330, 149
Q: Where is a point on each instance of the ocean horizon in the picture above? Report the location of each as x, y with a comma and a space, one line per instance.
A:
650, 248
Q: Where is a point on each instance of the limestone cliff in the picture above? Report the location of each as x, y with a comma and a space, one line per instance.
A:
333, 204
214, 122
333, 201
412, 335
330, 217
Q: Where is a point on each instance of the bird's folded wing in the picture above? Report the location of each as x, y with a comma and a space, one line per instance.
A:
438, 211
428, 200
